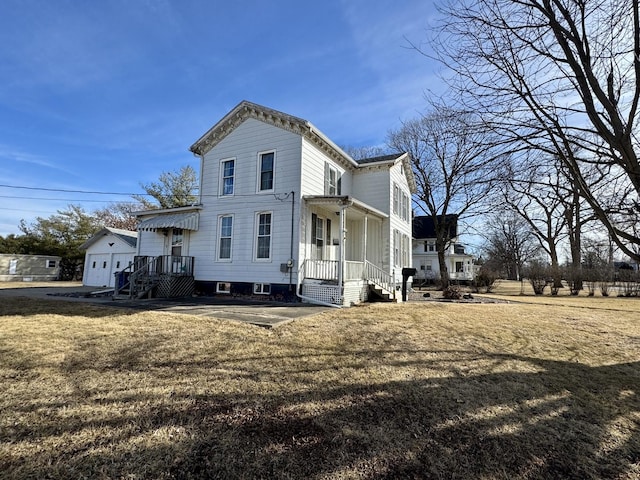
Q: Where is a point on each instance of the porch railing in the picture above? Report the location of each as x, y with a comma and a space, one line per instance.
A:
143, 274
321, 269
328, 270
380, 278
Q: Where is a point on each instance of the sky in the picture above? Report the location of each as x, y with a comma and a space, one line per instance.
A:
104, 96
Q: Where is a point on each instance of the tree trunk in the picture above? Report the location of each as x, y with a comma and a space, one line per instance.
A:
444, 271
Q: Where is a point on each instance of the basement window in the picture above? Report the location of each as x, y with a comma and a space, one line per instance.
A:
223, 287
261, 288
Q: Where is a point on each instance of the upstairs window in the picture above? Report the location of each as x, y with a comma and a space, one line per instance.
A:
332, 180
396, 199
265, 171
227, 176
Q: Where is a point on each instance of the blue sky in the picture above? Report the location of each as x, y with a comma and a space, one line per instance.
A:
103, 95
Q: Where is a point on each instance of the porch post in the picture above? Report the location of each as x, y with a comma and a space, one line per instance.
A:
341, 261
364, 240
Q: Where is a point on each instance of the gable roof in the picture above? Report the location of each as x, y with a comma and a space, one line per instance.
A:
300, 126
393, 159
245, 110
129, 237
423, 226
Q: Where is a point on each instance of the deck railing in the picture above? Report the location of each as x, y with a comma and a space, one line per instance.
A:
145, 271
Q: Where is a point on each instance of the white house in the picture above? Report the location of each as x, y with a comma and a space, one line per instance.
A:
284, 212
425, 257
109, 251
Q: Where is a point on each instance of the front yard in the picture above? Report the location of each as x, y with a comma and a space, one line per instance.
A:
420, 390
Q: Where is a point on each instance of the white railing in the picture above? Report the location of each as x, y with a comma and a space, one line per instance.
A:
379, 277
321, 269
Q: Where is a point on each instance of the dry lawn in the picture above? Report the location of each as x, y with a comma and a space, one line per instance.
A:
420, 390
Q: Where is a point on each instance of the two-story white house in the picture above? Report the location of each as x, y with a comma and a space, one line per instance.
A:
284, 212
460, 265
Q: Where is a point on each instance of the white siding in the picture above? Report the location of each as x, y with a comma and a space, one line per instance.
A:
244, 144
106, 253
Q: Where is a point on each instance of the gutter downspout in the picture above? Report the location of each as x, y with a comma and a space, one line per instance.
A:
343, 232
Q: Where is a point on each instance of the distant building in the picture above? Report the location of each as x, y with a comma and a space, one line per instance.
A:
425, 257
29, 268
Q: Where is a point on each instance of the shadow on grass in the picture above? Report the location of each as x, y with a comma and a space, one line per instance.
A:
26, 306
548, 419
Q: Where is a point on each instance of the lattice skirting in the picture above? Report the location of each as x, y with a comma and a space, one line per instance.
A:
174, 287
354, 292
322, 293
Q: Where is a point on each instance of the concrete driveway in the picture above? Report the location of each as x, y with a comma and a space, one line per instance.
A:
262, 313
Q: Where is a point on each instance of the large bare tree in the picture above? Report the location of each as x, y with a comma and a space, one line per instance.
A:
567, 71
453, 164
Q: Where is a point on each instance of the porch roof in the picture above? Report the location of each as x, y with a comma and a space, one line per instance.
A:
342, 201
186, 221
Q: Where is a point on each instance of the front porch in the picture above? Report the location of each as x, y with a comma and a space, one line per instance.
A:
322, 281
344, 251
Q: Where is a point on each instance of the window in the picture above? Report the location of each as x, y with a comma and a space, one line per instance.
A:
227, 175
225, 233
104, 264
429, 246
261, 288
93, 265
396, 198
317, 237
176, 242
118, 264
223, 287
265, 171
459, 267
263, 241
406, 246
51, 264
396, 248
332, 180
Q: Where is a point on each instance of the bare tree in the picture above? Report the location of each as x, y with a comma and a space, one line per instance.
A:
453, 166
510, 244
567, 72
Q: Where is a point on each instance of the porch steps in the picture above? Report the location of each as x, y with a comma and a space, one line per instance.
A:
379, 294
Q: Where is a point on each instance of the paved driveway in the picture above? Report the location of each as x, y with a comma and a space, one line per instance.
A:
265, 313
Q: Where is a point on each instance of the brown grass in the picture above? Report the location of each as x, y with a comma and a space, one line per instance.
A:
420, 390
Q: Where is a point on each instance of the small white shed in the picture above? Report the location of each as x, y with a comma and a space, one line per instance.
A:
109, 251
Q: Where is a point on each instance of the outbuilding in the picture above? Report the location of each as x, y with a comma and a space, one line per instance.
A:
29, 268
109, 251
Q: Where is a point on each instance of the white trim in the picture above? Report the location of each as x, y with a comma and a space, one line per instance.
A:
256, 235
259, 171
221, 177
219, 239
259, 288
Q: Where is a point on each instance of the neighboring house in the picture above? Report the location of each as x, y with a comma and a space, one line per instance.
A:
28, 268
425, 257
283, 211
109, 251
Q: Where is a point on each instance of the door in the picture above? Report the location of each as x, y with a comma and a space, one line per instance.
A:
99, 270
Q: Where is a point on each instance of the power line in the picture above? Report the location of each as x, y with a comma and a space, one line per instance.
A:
54, 199
70, 191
